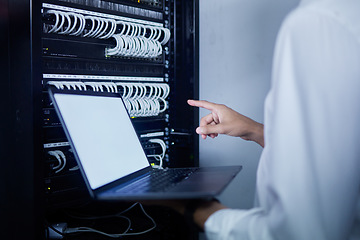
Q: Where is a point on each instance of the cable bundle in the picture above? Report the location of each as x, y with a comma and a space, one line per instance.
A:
66, 231
69, 23
133, 40
60, 156
158, 157
141, 99
76, 85
138, 40
144, 99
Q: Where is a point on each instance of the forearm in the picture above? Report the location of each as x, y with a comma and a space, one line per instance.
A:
249, 130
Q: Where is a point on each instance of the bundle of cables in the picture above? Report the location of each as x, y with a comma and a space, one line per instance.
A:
141, 99
158, 157
65, 230
132, 39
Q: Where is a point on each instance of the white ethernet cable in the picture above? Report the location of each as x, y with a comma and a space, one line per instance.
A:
58, 24
110, 86
68, 84
81, 26
103, 28
58, 85
52, 153
60, 156
125, 233
92, 25
95, 88
65, 17
158, 157
112, 30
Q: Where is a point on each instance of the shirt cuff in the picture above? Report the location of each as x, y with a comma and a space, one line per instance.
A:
232, 224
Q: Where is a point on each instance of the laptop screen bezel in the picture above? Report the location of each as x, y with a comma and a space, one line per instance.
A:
93, 192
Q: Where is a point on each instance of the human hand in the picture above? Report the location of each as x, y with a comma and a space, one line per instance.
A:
199, 212
176, 205
224, 120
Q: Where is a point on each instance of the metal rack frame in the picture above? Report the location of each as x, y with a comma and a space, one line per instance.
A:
22, 187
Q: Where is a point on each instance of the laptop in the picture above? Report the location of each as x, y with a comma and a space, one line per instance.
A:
112, 160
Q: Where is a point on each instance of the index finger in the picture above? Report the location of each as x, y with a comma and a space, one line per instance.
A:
202, 103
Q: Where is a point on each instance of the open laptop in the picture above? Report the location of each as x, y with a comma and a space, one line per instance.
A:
111, 158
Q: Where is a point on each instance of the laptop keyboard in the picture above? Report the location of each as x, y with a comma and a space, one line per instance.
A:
158, 180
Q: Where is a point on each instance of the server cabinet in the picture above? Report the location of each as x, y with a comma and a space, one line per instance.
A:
145, 50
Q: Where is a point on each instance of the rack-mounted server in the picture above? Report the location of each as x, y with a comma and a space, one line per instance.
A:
145, 50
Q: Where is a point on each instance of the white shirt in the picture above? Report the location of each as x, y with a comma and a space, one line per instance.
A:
308, 177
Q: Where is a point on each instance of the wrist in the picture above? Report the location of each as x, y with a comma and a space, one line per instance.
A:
259, 134
196, 212
256, 133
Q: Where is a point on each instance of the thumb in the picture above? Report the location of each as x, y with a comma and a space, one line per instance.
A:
209, 129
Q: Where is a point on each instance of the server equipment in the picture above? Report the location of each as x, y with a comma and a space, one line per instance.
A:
144, 50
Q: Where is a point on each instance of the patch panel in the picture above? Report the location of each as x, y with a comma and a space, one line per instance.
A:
142, 7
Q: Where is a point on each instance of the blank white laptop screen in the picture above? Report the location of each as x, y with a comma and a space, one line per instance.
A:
103, 135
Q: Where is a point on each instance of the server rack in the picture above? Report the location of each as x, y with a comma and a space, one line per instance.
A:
145, 50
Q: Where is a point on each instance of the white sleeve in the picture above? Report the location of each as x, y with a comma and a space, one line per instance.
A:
309, 175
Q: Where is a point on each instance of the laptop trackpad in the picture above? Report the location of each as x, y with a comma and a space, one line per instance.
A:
203, 182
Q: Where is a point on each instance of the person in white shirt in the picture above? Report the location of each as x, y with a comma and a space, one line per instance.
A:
308, 177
